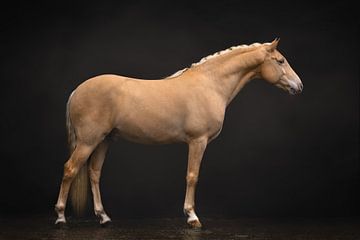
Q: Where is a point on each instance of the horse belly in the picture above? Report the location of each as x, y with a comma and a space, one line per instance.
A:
150, 128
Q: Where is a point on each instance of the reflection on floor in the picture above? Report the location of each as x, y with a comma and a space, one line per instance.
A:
175, 228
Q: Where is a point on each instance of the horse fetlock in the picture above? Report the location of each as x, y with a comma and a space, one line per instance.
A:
193, 220
104, 218
59, 209
189, 205
98, 212
189, 211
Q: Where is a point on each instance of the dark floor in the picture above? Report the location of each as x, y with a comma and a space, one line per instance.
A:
175, 228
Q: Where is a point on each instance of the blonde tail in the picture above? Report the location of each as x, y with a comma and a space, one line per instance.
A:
79, 186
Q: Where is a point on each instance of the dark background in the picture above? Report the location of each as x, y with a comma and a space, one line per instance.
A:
278, 155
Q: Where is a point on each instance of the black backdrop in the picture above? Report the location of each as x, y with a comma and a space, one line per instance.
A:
277, 155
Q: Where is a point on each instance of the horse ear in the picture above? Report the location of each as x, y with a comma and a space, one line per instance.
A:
273, 45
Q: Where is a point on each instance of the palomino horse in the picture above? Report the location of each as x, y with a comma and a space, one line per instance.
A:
188, 106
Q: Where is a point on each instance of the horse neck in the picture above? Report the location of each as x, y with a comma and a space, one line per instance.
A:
229, 73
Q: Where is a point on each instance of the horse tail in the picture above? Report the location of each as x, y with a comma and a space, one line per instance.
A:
79, 186
70, 128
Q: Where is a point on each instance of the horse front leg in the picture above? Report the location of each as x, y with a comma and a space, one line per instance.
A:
196, 151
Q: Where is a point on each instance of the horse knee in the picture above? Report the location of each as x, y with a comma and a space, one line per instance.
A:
191, 179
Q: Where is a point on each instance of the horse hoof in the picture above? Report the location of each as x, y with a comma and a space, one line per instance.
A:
106, 224
195, 224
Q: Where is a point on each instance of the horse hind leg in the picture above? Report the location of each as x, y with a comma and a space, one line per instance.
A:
95, 165
71, 168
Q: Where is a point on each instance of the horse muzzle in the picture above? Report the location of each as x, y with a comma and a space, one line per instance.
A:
295, 88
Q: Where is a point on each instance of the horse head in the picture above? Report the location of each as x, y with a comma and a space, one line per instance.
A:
276, 70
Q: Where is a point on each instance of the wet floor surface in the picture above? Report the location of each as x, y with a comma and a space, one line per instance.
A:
40, 228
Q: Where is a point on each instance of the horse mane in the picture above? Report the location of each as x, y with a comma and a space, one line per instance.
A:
242, 48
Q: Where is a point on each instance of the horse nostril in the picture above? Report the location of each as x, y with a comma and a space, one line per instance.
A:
292, 91
301, 86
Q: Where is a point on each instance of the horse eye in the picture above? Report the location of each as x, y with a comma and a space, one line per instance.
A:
280, 61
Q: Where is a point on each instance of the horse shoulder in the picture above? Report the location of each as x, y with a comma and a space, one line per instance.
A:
205, 116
